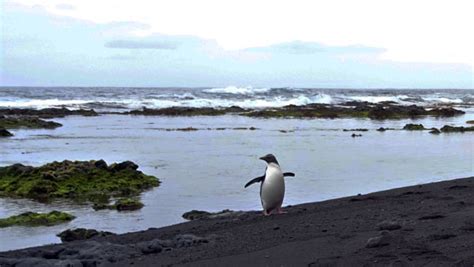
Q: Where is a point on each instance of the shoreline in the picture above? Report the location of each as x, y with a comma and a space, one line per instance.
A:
428, 223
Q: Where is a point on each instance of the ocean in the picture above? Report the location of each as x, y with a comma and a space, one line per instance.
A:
207, 169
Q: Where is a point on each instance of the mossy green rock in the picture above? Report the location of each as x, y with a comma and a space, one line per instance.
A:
414, 127
81, 180
27, 122
456, 129
37, 219
122, 204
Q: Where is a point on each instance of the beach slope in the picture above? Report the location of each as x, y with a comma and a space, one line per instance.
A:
411, 226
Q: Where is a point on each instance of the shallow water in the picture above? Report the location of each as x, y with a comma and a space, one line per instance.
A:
207, 169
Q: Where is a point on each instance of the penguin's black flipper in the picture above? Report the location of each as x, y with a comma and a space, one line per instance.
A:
255, 180
289, 174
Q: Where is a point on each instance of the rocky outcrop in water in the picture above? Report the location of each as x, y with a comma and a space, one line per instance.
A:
36, 219
81, 234
414, 127
5, 133
81, 180
27, 122
456, 129
47, 112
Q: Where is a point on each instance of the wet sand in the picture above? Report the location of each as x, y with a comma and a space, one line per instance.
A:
425, 224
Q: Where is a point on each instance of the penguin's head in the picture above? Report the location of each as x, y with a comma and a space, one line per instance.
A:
269, 158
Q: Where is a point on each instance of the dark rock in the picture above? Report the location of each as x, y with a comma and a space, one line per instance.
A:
445, 112
436, 237
27, 122
5, 133
435, 131
356, 130
456, 129
188, 240
432, 216
128, 204
150, 247
196, 215
389, 225
124, 165
382, 240
81, 234
413, 127
47, 112
180, 111
101, 164
355, 135
199, 214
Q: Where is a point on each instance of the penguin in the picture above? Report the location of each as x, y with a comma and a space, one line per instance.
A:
272, 187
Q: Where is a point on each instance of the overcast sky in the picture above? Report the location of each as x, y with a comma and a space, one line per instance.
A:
353, 44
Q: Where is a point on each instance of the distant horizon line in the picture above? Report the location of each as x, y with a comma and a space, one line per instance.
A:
207, 87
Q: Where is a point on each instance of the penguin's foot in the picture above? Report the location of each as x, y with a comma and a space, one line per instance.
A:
265, 213
281, 211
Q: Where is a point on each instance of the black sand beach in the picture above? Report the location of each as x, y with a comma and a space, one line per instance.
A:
430, 224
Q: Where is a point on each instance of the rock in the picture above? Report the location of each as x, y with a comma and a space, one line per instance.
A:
355, 130
445, 112
37, 219
180, 111
196, 215
456, 129
389, 225
150, 247
123, 166
435, 131
356, 135
5, 133
81, 234
79, 180
47, 112
432, 216
470, 122
413, 127
128, 204
383, 239
101, 164
27, 122
188, 240
199, 214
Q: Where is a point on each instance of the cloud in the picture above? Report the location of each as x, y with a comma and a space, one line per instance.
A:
141, 44
65, 7
300, 47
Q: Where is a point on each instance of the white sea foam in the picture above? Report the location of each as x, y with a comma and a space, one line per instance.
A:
237, 90
41, 103
378, 99
443, 100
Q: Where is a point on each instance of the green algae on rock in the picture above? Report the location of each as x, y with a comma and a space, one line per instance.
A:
122, 204
79, 180
456, 129
414, 127
37, 219
27, 122
47, 112
353, 109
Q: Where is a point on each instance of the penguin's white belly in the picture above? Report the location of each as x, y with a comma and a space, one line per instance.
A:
272, 189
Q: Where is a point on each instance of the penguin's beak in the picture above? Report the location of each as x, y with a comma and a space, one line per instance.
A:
263, 158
